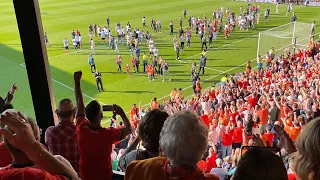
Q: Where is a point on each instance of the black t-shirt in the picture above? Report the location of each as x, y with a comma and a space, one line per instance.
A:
297, 111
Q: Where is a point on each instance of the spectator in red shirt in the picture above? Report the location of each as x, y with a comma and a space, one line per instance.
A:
226, 140
253, 99
237, 136
269, 135
211, 159
5, 156
95, 142
205, 119
62, 138
30, 159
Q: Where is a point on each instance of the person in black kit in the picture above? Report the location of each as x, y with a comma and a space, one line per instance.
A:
195, 77
90, 28
95, 29
108, 22
98, 77
189, 22
180, 32
202, 63
185, 13
171, 27
197, 28
204, 42
137, 63
180, 22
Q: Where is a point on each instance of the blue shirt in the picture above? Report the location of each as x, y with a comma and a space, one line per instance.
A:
138, 52
90, 60
221, 172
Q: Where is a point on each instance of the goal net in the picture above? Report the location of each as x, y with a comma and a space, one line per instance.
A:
288, 36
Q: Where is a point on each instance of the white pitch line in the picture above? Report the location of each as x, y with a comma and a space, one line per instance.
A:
222, 46
213, 69
23, 65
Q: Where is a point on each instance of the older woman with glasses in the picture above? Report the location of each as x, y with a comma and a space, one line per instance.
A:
183, 141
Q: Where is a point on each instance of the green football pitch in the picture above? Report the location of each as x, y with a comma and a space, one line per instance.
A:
60, 17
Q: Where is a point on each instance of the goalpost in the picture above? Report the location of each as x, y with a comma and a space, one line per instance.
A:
291, 36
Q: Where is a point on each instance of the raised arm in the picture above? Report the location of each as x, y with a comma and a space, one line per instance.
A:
10, 94
78, 93
277, 103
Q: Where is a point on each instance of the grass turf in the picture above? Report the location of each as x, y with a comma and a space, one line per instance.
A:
60, 17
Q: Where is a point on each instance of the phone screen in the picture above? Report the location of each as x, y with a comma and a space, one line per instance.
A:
107, 107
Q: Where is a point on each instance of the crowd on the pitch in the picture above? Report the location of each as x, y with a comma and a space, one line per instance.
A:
259, 124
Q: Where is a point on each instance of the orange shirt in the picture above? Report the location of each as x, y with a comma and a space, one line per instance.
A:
155, 104
268, 58
173, 93
264, 140
294, 133
155, 169
134, 112
282, 112
224, 121
263, 114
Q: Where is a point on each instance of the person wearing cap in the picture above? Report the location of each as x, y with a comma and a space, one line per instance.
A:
62, 138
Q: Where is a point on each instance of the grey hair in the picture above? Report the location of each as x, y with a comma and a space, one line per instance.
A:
219, 162
184, 139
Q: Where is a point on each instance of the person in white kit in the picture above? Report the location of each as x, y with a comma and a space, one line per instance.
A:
66, 45
75, 45
92, 45
116, 43
103, 37
99, 32
76, 38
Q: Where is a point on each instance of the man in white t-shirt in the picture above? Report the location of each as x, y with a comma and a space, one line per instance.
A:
92, 45
103, 37
66, 45
75, 45
76, 38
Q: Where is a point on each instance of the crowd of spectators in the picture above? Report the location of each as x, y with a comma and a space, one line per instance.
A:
260, 124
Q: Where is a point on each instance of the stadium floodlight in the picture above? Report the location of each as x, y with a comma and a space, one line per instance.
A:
288, 36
